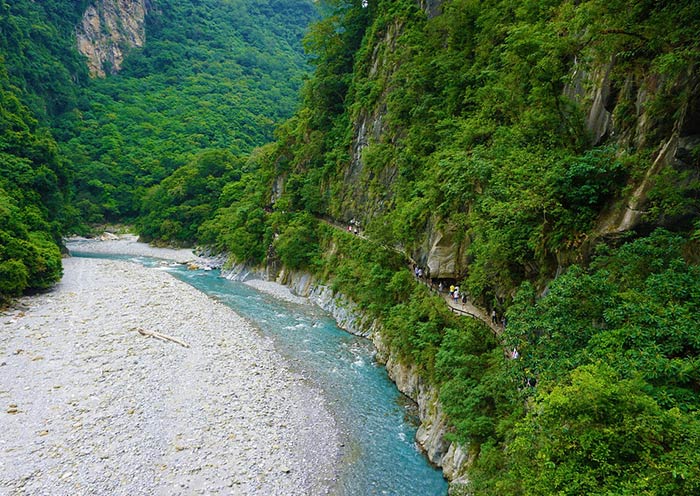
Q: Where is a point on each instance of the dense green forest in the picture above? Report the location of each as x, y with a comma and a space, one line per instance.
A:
77, 151
40, 77
477, 130
221, 80
469, 119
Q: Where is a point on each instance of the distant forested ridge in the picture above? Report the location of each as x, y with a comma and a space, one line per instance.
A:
212, 75
212, 80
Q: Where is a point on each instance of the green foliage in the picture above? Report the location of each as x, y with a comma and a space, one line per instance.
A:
297, 243
615, 352
37, 44
479, 135
590, 179
673, 198
241, 225
461, 123
332, 43
465, 126
598, 433
368, 273
13, 278
32, 194
222, 80
474, 392
174, 209
415, 328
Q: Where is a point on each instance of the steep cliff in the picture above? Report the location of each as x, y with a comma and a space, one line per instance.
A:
108, 30
623, 112
497, 145
531, 154
434, 154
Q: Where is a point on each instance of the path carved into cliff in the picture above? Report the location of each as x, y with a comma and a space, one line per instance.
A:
467, 309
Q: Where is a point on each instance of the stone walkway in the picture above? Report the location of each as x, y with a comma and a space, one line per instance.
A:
467, 309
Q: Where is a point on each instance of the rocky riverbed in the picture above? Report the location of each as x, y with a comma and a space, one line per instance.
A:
90, 406
128, 244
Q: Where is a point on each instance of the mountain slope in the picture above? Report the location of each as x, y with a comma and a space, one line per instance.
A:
542, 156
220, 80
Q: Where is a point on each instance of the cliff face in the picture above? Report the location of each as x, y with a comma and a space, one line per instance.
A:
619, 107
620, 112
109, 28
496, 159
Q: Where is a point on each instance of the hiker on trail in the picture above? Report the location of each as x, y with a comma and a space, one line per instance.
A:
464, 299
456, 294
493, 316
420, 273
440, 287
452, 288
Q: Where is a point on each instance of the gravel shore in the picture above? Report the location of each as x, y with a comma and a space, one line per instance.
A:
128, 244
88, 406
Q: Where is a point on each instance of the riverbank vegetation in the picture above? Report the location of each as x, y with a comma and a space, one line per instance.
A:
38, 68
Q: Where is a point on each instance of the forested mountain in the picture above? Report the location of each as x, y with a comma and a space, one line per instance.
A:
542, 155
214, 75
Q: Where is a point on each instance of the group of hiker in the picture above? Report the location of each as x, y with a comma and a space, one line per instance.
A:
354, 226
456, 295
454, 292
420, 273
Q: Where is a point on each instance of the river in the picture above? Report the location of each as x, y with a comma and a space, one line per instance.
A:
378, 423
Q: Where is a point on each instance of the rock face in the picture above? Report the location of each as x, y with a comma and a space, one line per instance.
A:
617, 108
431, 7
446, 254
611, 119
367, 190
109, 28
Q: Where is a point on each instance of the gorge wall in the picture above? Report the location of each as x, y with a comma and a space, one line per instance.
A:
620, 104
495, 149
109, 28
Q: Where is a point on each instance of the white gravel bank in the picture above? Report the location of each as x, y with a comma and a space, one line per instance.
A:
90, 407
128, 244
276, 290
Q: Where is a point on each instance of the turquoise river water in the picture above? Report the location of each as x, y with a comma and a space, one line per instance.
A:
377, 421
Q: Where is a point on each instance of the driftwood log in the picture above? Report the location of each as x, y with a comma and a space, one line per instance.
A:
161, 336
